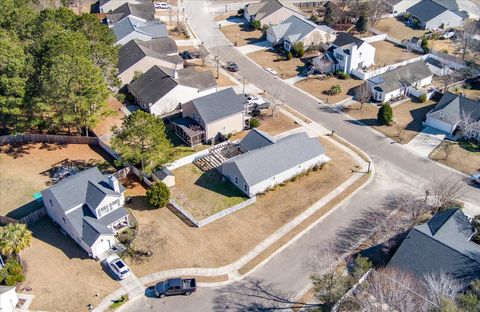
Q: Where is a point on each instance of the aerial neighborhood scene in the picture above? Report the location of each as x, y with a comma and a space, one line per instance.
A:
240, 155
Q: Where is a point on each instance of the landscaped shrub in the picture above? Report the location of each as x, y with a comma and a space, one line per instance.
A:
422, 98
425, 47
298, 49
342, 75
256, 24
12, 272
240, 12
264, 29
289, 56
335, 89
158, 195
385, 114
362, 23
254, 122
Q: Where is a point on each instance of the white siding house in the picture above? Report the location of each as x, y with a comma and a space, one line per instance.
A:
398, 7
8, 298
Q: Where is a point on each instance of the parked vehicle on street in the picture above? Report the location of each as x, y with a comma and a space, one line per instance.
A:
257, 101
475, 178
448, 35
176, 286
118, 267
161, 5
231, 66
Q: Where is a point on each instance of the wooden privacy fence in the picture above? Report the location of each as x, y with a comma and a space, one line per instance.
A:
34, 216
46, 138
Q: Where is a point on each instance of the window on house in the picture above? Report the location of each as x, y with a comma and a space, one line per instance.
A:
103, 211
50, 201
339, 56
114, 204
236, 180
64, 220
360, 54
245, 188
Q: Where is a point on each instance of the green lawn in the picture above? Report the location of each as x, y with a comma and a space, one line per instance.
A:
204, 194
182, 149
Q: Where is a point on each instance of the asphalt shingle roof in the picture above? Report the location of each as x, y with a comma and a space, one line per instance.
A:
425, 10
152, 86
256, 139
129, 25
267, 7
194, 79
219, 105
295, 28
447, 248
263, 163
344, 39
161, 45
402, 76
457, 107
142, 10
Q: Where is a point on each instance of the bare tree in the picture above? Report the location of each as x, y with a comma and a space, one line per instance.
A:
445, 192
378, 8
147, 241
217, 59
276, 99
411, 206
322, 65
469, 125
400, 129
440, 286
467, 39
446, 148
363, 94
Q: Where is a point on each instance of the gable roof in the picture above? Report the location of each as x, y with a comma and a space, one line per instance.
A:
344, 39
200, 80
457, 107
402, 76
426, 10
161, 45
144, 10
265, 8
135, 50
295, 28
264, 163
256, 139
443, 243
128, 25
219, 105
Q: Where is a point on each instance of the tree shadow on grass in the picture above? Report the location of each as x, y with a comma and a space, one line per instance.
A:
25, 210
212, 180
16, 150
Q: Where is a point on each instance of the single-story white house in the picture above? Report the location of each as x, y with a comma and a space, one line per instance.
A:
106, 6
452, 112
143, 11
8, 298
270, 12
268, 162
295, 29
131, 28
88, 206
398, 7
400, 81
435, 14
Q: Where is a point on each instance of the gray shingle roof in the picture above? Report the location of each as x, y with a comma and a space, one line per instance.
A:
4, 289
152, 86
425, 10
267, 7
199, 80
265, 162
219, 105
161, 45
344, 39
457, 107
129, 25
446, 248
256, 139
144, 11
402, 76
295, 28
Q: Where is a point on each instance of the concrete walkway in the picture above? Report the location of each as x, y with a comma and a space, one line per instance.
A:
254, 47
294, 80
425, 142
133, 286
231, 270
188, 42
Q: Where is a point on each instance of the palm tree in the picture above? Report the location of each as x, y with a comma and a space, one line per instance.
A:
14, 238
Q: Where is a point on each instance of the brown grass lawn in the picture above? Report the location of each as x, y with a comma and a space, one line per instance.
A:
462, 156
225, 16
450, 47
181, 148
388, 53
222, 81
397, 29
113, 117
227, 239
23, 170
407, 117
277, 124
317, 87
60, 274
286, 69
469, 93
203, 193
241, 34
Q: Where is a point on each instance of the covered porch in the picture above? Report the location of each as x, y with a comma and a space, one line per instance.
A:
189, 131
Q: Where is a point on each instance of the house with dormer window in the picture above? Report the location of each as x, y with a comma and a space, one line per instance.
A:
89, 208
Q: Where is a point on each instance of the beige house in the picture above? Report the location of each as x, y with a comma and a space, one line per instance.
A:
209, 117
270, 12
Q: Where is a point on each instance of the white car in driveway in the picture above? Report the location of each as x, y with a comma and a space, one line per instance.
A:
161, 5
118, 267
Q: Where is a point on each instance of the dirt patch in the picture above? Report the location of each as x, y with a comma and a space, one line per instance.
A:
398, 29
242, 34
407, 116
61, 275
203, 193
285, 69
387, 53
222, 81
469, 93
317, 87
24, 169
227, 239
461, 156
113, 117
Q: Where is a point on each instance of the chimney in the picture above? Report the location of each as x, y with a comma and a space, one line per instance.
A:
175, 74
114, 183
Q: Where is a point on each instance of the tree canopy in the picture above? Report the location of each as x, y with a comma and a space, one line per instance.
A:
14, 238
56, 67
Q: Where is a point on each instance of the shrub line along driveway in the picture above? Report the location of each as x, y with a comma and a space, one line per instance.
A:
313, 129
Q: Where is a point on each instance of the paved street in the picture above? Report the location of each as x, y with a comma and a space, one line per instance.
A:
270, 286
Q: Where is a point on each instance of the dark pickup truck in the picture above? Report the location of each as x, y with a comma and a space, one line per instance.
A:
176, 286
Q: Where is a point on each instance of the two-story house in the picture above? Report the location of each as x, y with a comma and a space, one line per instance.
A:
89, 208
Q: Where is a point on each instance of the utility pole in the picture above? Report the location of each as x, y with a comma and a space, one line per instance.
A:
243, 85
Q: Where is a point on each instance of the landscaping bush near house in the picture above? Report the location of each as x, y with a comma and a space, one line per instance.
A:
158, 195
334, 89
385, 114
240, 11
422, 98
342, 75
476, 226
256, 24
254, 123
298, 49
425, 46
118, 302
264, 30
289, 56
11, 273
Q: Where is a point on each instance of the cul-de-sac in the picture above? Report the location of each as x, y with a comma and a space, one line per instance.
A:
240, 155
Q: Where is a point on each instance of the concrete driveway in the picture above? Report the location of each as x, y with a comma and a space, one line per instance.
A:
425, 142
254, 47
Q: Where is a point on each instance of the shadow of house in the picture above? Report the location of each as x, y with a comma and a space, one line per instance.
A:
25, 210
215, 182
418, 115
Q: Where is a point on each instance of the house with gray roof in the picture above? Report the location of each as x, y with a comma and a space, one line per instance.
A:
295, 29
89, 207
398, 7
272, 163
161, 92
143, 12
138, 56
131, 28
441, 244
218, 114
436, 14
456, 112
400, 82
106, 6
270, 12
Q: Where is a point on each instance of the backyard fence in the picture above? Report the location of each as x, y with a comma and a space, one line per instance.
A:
367, 75
214, 217
191, 158
309, 4
34, 216
47, 138
379, 37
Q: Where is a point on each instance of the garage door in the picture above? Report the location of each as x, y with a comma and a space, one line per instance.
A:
438, 124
